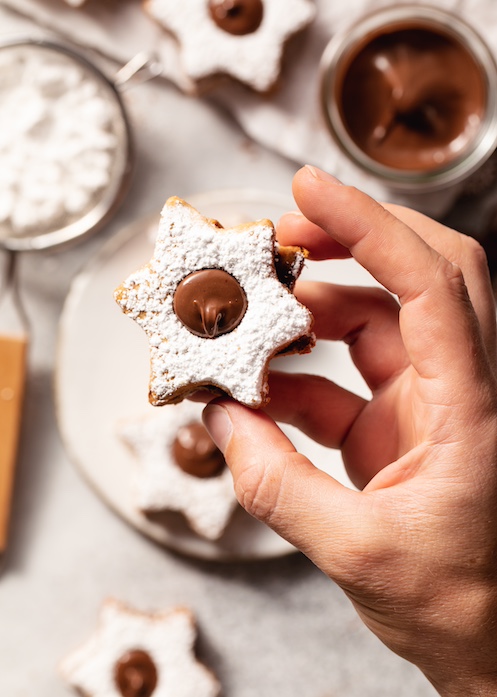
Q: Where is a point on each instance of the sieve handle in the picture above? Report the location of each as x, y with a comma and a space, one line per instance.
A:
12, 379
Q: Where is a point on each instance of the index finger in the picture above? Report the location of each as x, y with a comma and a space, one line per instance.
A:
438, 323
390, 250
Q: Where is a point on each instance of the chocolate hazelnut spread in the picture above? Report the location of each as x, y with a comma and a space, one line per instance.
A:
195, 452
237, 17
411, 98
135, 674
210, 302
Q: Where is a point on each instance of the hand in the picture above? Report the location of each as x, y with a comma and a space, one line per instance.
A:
415, 548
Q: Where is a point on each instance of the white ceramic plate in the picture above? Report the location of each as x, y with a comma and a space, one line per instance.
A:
103, 368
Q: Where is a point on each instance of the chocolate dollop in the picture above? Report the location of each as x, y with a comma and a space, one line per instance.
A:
195, 452
237, 17
210, 302
412, 98
135, 674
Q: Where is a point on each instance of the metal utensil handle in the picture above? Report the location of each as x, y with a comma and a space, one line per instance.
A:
12, 378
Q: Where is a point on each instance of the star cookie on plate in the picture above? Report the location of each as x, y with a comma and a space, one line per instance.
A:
214, 308
180, 468
137, 654
241, 38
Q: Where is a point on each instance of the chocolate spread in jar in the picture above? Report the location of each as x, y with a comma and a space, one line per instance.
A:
237, 17
195, 452
210, 302
412, 98
135, 674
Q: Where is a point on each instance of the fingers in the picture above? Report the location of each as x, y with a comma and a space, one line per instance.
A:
318, 407
294, 229
436, 310
280, 487
367, 319
381, 243
329, 414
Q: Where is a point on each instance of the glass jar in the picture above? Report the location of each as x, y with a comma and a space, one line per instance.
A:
409, 93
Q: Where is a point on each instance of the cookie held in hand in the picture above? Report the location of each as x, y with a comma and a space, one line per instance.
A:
214, 308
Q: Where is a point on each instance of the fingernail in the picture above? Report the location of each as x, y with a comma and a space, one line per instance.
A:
323, 176
218, 423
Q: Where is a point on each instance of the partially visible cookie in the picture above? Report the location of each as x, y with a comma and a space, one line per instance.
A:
137, 654
213, 307
241, 38
180, 468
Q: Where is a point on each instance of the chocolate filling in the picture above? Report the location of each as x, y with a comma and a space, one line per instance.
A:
135, 674
195, 452
210, 302
412, 98
237, 17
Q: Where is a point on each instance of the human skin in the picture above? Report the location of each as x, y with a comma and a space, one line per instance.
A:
415, 546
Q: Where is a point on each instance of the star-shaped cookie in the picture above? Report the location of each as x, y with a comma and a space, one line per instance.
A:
207, 502
213, 308
241, 38
137, 654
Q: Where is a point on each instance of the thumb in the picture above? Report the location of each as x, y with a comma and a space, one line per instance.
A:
281, 487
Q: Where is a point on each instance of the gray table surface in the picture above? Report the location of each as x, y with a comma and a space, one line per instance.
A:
274, 627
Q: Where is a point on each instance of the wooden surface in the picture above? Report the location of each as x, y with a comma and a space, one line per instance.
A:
12, 374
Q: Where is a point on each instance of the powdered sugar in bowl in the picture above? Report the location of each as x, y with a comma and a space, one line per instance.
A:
65, 145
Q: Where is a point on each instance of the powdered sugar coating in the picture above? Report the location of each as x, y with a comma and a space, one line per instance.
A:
236, 362
161, 485
59, 137
207, 50
168, 638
